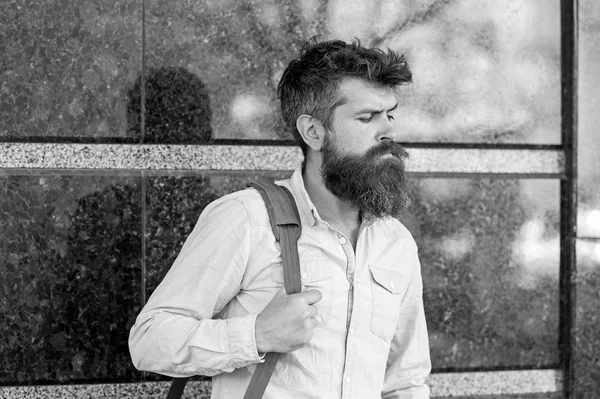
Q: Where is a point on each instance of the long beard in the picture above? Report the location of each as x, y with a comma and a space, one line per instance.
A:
373, 183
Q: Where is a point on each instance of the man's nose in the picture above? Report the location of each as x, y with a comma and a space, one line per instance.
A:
388, 132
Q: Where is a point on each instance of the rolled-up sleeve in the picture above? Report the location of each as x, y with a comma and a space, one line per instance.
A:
409, 363
175, 334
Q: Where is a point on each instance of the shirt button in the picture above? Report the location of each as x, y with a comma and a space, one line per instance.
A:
347, 380
304, 275
342, 240
351, 331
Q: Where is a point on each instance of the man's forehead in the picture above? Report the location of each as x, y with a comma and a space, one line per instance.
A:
359, 94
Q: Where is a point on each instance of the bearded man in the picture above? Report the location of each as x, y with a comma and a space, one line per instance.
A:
357, 329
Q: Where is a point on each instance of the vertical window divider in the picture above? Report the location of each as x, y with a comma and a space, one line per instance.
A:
568, 193
143, 78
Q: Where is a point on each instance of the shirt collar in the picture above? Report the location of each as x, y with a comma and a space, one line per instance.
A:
307, 209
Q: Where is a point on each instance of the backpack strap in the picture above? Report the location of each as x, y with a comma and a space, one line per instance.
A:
286, 226
285, 223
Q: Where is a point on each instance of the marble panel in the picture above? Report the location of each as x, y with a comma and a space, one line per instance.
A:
159, 390
70, 275
482, 71
527, 396
66, 66
489, 250
587, 320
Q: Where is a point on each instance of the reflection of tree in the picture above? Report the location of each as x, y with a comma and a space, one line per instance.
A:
419, 17
480, 73
477, 315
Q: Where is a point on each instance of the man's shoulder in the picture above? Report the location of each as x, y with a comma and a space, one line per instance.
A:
248, 202
396, 230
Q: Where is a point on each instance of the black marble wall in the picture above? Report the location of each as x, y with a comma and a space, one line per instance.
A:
484, 73
74, 247
74, 244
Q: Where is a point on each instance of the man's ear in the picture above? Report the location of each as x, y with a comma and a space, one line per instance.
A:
312, 131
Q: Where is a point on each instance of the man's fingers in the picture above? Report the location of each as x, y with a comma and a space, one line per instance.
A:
311, 296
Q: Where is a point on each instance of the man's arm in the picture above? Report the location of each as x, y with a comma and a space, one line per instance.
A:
409, 363
174, 333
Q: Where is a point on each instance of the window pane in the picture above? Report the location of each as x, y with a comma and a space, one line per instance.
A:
484, 71
489, 250
71, 255
589, 120
587, 322
70, 272
66, 66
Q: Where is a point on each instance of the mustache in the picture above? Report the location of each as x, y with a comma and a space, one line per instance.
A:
387, 147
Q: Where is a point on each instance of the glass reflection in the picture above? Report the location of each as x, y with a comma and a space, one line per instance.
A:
489, 251
587, 341
484, 71
72, 256
70, 269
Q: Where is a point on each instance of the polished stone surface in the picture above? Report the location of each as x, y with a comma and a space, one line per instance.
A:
70, 271
71, 263
498, 383
73, 255
66, 66
484, 73
166, 157
490, 385
527, 163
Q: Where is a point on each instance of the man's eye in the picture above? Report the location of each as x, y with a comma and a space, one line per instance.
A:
390, 117
366, 119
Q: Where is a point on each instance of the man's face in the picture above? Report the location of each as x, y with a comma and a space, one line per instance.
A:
360, 162
365, 119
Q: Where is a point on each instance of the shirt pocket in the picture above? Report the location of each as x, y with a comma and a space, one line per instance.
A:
387, 288
314, 275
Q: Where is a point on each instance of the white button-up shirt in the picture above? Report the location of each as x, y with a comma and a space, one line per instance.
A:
371, 340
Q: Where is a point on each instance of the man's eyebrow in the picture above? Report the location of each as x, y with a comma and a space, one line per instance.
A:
375, 110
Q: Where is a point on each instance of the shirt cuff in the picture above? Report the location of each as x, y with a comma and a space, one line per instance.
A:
242, 341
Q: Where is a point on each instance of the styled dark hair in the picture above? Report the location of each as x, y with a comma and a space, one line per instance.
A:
177, 107
310, 84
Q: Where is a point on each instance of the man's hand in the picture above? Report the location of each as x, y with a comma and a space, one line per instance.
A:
287, 323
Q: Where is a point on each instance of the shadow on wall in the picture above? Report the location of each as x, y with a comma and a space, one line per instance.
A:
177, 108
99, 290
